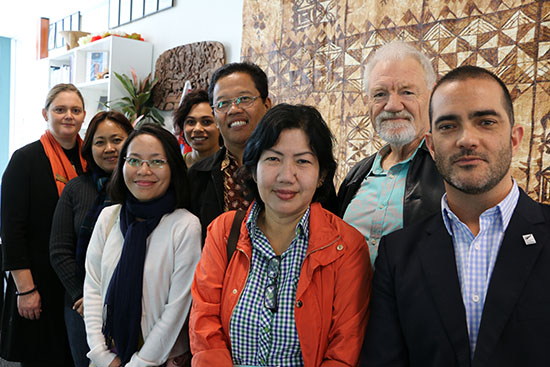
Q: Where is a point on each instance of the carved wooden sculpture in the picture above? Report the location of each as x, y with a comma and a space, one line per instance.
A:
194, 62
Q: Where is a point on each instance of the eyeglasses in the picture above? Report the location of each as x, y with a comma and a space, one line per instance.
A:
152, 163
241, 102
271, 290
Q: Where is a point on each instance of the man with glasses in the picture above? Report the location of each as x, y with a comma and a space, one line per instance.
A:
238, 93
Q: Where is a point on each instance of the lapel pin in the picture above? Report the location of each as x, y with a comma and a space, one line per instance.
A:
529, 239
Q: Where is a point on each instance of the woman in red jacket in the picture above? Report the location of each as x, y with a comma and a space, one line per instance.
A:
296, 290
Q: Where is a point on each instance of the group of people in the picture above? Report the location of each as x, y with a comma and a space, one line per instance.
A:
240, 252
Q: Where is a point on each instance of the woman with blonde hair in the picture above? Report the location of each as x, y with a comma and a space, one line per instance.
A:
33, 330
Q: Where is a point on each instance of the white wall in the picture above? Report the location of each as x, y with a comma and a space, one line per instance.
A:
188, 21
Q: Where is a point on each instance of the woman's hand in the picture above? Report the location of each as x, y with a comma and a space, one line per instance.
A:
178, 361
115, 362
79, 306
29, 305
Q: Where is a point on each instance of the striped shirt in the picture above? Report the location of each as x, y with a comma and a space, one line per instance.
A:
260, 337
476, 255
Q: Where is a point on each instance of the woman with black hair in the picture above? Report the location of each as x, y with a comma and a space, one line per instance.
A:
142, 256
295, 292
194, 120
75, 215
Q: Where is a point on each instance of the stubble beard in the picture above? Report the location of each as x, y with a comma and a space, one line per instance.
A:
470, 184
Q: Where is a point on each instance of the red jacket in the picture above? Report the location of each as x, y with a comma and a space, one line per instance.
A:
331, 299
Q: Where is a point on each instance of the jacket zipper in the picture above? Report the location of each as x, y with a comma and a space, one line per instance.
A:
324, 247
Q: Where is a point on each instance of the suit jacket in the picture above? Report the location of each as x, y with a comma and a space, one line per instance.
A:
417, 313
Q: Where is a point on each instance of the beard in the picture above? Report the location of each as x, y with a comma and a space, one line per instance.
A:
395, 133
471, 183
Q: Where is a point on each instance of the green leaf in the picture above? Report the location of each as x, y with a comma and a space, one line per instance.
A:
157, 116
126, 83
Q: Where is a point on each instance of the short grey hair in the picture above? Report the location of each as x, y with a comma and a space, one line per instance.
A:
399, 50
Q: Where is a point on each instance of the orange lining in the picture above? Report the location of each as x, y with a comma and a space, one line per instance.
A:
62, 168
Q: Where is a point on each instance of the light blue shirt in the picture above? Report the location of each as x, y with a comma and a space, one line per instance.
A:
377, 208
476, 255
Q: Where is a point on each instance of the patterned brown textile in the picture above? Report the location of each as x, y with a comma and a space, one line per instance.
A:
234, 192
315, 51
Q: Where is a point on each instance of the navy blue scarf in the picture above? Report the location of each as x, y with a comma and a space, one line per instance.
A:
100, 178
122, 309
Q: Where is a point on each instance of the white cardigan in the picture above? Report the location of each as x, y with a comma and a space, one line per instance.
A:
173, 251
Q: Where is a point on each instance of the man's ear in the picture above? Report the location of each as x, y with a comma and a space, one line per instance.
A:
267, 103
516, 135
429, 143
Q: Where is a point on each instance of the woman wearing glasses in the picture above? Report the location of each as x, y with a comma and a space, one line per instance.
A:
296, 290
33, 330
194, 119
75, 215
142, 256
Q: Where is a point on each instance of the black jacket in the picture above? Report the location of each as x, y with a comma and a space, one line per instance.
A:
206, 181
423, 189
29, 197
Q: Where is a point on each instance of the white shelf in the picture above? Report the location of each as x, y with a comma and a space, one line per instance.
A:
124, 54
100, 84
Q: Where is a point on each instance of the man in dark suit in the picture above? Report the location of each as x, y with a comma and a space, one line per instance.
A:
468, 286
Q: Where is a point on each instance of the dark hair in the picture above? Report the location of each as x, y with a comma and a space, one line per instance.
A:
192, 98
257, 75
475, 72
178, 170
114, 116
62, 87
282, 117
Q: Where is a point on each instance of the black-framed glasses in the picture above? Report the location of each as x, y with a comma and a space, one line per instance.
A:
242, 102
152, 163
271, 290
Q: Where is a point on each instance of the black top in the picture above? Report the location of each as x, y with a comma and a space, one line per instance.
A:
206, 182
29, 197
73, 205
74, 158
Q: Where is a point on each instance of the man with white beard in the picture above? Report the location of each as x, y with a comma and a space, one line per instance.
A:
398, 185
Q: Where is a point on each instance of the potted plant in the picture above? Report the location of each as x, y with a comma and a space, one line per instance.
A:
138, 105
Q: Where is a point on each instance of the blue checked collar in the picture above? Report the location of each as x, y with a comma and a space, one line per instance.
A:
503, 210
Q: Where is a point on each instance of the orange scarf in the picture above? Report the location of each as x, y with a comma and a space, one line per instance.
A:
62, 169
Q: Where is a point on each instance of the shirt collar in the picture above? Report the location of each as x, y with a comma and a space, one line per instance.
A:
504, 209
227, 160
385, 150
302, 228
